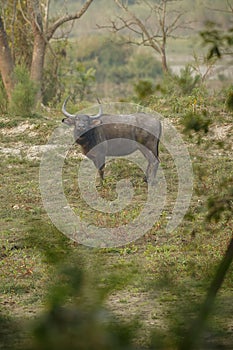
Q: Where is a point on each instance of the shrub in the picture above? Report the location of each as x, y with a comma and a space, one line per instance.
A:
3, 98
229, 100
23, 96
196, 122
143, 89
79, 81
180, 84
186, 81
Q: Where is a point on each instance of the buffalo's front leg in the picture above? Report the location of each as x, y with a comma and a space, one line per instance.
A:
101, 172
99, 164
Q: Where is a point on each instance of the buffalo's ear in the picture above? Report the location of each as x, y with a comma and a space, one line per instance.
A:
68, 121
95, 122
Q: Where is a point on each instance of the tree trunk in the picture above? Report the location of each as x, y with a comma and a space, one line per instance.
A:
39, 45
6, 61
42, 37
164, 61
37, 64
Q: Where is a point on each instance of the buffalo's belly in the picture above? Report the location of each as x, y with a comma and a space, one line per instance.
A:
120, 147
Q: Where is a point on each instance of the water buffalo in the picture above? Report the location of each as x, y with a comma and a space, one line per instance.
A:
116, 135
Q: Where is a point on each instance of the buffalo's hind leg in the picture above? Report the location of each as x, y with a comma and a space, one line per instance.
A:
153, 164
152, 168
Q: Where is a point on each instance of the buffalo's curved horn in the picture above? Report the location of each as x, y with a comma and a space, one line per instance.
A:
100, 110
64, 111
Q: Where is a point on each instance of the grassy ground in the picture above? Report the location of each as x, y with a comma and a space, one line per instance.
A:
158, 281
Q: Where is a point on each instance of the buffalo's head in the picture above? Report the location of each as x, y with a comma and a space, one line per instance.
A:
81, 122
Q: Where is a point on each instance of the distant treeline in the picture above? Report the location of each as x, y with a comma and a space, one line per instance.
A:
99, 62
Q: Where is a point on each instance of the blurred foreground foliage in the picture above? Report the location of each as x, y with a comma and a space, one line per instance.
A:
75, 314
76, 319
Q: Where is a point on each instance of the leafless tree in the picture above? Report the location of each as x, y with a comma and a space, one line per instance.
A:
161, 22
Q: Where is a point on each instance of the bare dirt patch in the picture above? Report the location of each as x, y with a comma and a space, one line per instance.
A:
21, 128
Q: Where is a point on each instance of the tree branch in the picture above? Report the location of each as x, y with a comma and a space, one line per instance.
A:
140, 24
70, 17
144, 31
23, 14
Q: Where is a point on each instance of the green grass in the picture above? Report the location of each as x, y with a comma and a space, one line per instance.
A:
161, 279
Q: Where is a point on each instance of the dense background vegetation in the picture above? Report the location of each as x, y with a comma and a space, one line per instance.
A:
56, 294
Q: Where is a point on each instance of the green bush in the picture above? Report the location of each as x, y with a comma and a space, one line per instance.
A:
24, 94
229, 99
194, 121
3, 98
186, 81
144, 89
179, 84
110, 62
